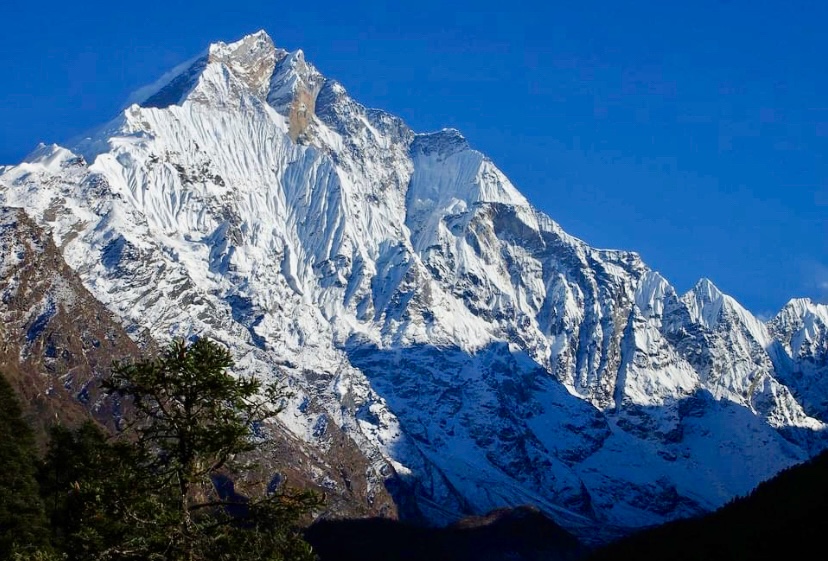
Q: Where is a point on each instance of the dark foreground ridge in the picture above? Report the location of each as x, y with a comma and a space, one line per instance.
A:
519, 534
784, 518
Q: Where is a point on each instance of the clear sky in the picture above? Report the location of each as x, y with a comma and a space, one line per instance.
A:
695, 133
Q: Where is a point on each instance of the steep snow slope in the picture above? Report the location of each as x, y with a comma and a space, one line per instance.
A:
57, 341
801, 352
478, 355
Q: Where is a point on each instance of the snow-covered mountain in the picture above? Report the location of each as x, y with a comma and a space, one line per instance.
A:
801, 351
477, 354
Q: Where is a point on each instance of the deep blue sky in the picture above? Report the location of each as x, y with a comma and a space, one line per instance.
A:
695, 133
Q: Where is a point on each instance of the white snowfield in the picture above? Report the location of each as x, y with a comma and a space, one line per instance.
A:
476, 352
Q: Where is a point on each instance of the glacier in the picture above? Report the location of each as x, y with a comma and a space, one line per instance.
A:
478, 355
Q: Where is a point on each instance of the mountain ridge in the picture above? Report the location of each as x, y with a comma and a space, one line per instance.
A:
477, 354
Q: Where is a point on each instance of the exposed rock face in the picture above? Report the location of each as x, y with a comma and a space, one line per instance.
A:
57, 342
800, 351
430, 320
56, 339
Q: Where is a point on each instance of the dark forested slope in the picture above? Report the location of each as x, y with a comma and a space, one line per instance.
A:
784, 518
519, 534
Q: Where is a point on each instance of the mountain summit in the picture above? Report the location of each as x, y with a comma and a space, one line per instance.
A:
477, 354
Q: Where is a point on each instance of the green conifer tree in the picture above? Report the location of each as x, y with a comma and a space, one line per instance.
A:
101, 500
191, 419
22, 520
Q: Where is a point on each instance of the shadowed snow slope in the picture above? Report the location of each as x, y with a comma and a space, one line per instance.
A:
478, 355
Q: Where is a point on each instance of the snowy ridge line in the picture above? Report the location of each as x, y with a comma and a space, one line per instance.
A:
477, 354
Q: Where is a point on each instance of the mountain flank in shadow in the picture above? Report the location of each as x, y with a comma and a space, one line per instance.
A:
784, 518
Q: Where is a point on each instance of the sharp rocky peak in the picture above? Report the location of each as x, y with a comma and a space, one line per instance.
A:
252, 59
249, 48
415, 299
802, 321
707, 291
705, 302
444, 142
253, 65
714, 309
804, 307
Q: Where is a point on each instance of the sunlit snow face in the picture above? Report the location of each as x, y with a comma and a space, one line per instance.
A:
416, 300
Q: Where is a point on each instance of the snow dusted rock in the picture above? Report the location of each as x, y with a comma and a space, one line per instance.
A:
56, 339
801, 352
476, 354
